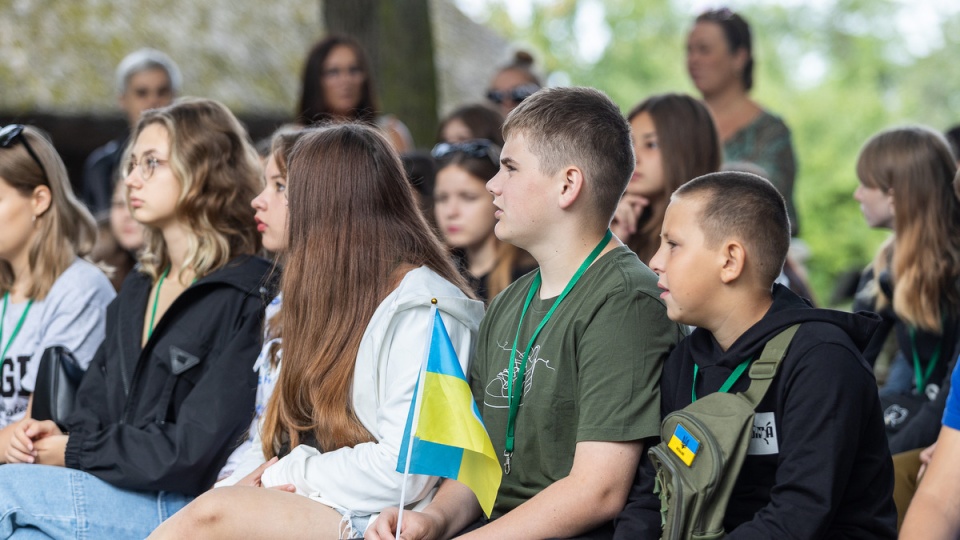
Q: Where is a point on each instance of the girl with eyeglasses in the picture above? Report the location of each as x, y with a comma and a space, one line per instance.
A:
362, 269
465, 216
170, 392
51, 295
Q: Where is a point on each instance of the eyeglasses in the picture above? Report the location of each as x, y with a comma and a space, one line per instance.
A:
10, 134
147, 166
476, 148
333, 73
515, 94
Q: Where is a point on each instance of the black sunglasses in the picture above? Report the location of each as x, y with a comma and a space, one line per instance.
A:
516, 94
10, 134
476, 148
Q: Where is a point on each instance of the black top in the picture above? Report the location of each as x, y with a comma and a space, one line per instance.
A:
100, 174
167, 415
822, 468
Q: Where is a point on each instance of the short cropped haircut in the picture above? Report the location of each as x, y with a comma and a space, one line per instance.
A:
747, 207
580, 127
143, 60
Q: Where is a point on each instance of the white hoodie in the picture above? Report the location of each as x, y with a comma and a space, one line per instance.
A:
363, 479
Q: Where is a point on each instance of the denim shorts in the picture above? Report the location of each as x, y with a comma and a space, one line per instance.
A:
352, 525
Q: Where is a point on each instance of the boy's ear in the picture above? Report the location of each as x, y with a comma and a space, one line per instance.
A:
571, 186
733, 260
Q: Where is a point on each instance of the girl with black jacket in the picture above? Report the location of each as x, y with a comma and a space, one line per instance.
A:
170, 391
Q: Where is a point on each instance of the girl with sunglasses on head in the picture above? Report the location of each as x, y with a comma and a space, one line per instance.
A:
170, 392
353, 339
465, 216
514, 83
51, 295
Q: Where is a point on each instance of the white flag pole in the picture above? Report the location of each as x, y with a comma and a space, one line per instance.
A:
416, 414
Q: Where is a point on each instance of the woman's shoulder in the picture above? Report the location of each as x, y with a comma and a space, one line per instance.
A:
83, 278
422, 285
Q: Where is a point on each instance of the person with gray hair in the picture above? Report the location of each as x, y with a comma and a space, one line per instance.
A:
145, 79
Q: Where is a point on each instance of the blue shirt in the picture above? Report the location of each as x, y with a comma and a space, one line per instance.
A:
951, 415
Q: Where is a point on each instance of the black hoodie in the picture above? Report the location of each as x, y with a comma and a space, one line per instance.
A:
818, 466
167, 415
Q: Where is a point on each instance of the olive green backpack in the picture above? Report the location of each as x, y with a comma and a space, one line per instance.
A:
703, 447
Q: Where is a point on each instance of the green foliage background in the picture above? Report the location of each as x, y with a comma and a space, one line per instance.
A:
870, 81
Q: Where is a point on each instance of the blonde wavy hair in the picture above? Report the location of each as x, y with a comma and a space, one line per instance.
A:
916, 164
219, 174
65, 231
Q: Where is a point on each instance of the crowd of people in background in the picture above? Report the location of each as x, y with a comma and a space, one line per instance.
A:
249, 320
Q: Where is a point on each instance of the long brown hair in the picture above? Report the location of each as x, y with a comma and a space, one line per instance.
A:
689, 148
916, 164
219, 174
65, 231
352, 214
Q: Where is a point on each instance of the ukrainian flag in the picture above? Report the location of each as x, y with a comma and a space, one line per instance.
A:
449, 438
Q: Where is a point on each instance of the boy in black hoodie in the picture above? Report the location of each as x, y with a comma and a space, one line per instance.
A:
818, 464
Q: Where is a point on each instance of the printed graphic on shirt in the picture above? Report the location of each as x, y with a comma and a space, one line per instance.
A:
14, 398
496, 393
763, 441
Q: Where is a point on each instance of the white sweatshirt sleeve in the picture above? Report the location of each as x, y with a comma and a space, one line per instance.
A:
364, 479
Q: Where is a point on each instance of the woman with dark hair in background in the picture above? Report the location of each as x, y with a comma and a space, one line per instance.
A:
337, 85
720, 63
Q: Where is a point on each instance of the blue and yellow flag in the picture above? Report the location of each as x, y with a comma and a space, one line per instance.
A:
450, 440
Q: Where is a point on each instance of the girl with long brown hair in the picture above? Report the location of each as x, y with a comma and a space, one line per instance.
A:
362, 268
907, 184
674, 141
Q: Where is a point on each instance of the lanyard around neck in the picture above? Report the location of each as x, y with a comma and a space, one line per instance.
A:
727, 384
156, 300
922, 376
16, 329
515, 388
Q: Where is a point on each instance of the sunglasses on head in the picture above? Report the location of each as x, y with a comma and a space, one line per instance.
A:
476, 148
515, 94
9, 135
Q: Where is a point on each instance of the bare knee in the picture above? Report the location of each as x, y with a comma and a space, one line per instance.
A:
205, 517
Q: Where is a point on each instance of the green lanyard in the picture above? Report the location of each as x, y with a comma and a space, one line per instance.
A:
922, 376
725, 387
16, 329
156, 299
515, 391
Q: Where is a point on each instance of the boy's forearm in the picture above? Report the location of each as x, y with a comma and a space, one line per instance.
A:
454, 507
594, 493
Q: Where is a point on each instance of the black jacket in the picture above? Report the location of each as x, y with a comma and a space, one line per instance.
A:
823, 470
166, 416
100, 175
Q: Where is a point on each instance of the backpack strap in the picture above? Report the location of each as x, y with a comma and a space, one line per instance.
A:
764, 369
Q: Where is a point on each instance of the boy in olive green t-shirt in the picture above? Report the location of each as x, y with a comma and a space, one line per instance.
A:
575, 347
